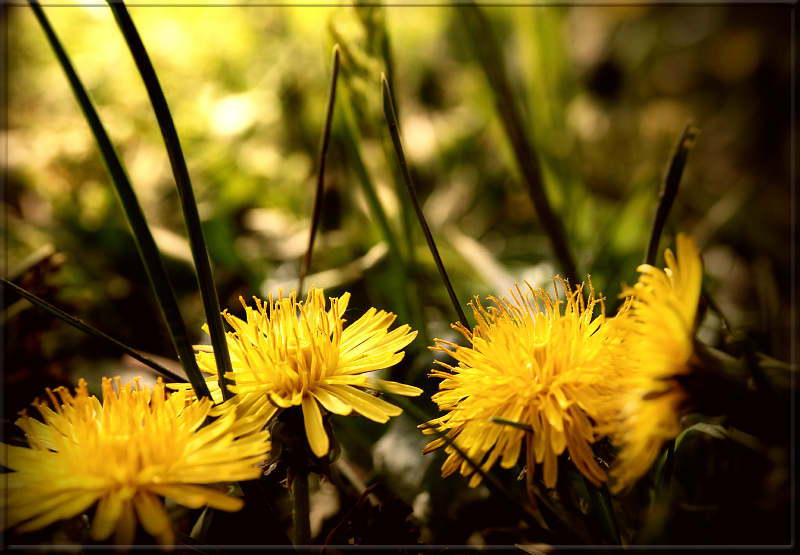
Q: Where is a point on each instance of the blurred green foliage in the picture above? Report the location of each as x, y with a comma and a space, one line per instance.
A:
605, 91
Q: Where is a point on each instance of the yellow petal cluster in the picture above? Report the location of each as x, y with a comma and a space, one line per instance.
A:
656, 345
292, 353
533, 362
124, 455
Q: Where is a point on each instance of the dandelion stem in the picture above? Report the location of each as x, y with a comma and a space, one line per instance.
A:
301, 506
323, 150
391, 119
669, 187
83, 326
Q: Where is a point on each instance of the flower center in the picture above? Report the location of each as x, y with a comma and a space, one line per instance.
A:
301, 358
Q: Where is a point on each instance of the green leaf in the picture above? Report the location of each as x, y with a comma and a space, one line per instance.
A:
604, 510
133, 213
596, 504
714, 430
661, 494
696, 448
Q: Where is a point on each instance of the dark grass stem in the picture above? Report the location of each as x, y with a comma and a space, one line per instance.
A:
148, 250
666, 197
83, 326
669, 465
391, 120
407, 219
527, 159
323, 150
412, 285
352, 140
669, 187
567, 517
600, 498
205, 275
511, 423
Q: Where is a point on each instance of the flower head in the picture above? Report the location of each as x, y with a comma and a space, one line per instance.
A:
293, 353
123, 455
657, 342
531, 363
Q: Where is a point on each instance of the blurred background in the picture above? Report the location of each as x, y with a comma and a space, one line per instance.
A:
603, 93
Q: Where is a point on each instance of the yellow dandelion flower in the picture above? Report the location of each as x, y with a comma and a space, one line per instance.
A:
123, 455
531, 363
291, 353
657, 343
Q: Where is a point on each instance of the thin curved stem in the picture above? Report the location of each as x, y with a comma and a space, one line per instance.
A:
83, 326
391, 120
323, 150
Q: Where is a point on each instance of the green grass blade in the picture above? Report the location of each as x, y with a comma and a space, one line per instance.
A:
604, 510
666, 196
391, 120
597, 506
669, 187
352, 140
205, 276
511, 423
491, 58
83, 326
133, 213
323, 150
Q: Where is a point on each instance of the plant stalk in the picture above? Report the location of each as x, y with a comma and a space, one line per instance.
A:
301, 507
527, 158
83, 326
323, 150
669, 187
391, 120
